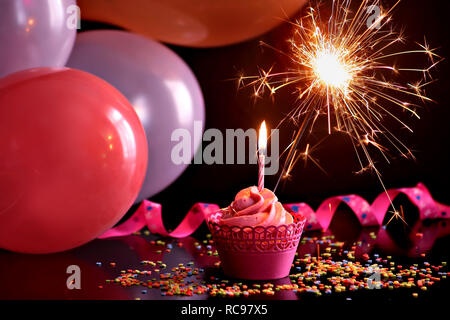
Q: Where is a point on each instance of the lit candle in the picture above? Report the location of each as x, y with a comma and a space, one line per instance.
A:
262, 144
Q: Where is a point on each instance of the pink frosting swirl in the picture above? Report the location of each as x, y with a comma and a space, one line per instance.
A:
252, 208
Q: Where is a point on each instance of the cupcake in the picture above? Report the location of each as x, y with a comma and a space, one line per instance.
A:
255, 236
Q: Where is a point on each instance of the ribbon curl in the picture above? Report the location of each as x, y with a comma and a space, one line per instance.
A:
149, 213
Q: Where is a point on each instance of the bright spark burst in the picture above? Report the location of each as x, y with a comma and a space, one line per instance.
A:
330, 70
341, 68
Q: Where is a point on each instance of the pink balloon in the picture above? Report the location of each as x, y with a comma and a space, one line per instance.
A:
160, 86
36, 33
73, 158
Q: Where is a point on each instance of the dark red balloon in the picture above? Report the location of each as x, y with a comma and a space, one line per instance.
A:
73, 156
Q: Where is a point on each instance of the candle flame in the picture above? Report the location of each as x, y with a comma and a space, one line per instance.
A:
262, 137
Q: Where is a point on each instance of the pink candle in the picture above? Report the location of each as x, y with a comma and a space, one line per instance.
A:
261, 172
262, 144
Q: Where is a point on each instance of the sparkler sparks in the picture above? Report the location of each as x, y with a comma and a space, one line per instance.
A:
341, 67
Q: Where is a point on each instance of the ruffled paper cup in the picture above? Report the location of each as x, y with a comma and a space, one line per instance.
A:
256, 253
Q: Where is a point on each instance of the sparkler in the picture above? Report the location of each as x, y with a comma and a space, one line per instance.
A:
340, 68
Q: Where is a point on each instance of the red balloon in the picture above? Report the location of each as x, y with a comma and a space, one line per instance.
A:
73, 156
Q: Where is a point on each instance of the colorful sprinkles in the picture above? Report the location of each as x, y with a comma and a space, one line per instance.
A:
332, 269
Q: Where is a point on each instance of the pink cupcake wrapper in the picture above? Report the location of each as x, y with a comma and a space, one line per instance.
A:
256, 253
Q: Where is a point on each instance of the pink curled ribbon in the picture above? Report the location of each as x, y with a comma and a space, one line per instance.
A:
149, 213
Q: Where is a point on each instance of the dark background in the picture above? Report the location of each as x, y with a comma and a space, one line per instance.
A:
226, 107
